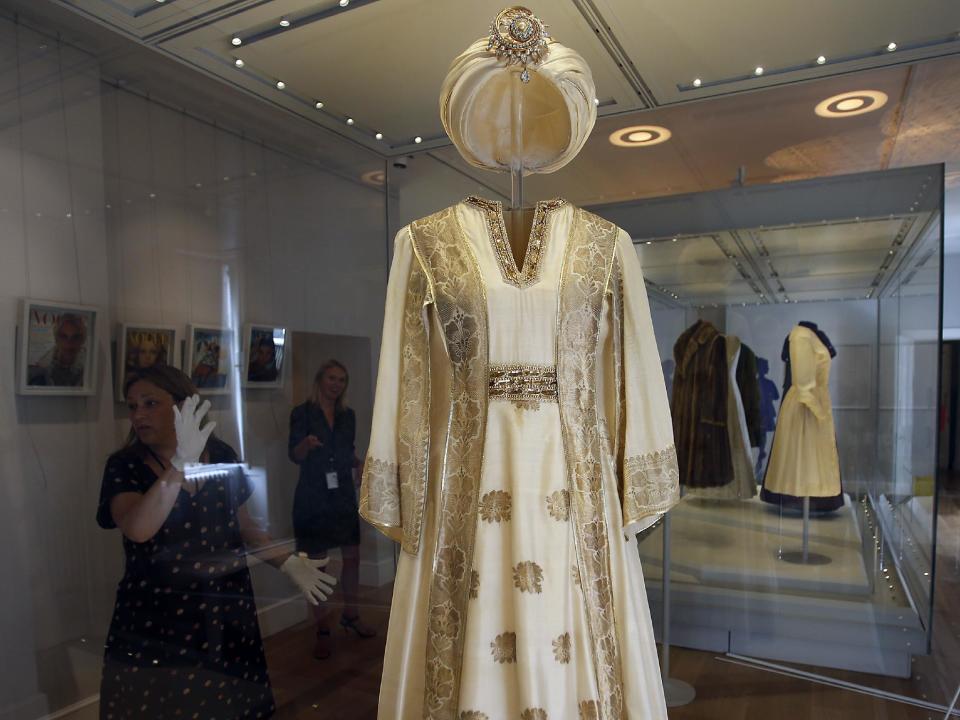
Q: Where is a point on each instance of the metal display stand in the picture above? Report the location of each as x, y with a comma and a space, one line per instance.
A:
804, 556
677, 692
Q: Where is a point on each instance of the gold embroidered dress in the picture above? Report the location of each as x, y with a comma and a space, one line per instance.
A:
521, 424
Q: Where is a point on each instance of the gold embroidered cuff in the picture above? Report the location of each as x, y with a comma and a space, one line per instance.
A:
651, 484
523, 383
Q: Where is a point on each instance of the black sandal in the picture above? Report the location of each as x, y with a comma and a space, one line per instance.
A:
358, 627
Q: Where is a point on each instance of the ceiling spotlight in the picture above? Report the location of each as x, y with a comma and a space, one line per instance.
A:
379, 136
758, 71
238, 62
649, 242
236, 40
856, 102
318, 105
821, 60
418, 139
284, 22
349, 121
344, 3
697, 82
281, 84
640, 136
596, 101
891, 47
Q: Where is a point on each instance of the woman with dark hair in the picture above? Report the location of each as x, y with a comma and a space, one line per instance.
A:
184, 640
322, 436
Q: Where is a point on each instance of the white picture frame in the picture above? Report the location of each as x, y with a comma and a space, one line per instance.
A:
256, 369
208, 359
142, 345
57, 348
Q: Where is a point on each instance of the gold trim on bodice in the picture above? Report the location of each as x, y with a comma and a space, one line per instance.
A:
536, 245
523, 384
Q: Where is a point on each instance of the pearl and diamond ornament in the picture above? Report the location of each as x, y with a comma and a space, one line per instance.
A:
518, 37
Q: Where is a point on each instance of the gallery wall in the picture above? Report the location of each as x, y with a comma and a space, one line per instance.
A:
113, 200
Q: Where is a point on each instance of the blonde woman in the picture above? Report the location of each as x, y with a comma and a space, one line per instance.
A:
322, 436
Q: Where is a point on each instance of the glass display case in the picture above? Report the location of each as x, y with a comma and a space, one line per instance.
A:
846, 269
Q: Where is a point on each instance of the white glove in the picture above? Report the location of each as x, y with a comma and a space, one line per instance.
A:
306, 574
191, 440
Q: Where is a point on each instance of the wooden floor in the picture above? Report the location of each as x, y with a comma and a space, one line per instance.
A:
345, 686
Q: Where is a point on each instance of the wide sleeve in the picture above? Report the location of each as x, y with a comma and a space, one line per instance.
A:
395, 470
649, 477
803, 367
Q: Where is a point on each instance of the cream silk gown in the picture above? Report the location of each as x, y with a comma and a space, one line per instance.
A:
521, 424
804, 460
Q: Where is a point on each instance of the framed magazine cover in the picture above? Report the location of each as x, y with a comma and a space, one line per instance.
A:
57, 353
209, 358
143, 345
265, 351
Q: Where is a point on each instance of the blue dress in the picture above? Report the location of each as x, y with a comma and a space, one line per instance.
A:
184, 639
325, 517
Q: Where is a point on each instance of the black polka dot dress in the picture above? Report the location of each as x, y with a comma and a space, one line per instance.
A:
184, 640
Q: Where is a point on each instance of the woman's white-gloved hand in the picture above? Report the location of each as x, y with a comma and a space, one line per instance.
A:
306, 574
191, 439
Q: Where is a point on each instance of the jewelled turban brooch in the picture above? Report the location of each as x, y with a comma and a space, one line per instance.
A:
518, 37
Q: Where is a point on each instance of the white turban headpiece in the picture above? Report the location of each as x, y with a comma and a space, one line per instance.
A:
557, 98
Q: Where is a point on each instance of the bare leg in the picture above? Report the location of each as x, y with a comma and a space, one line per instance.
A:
350, 580
321, 613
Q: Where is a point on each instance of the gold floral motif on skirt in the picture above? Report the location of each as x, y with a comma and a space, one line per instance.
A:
528, 577
504, 647
496, 506
558, 505
561, 649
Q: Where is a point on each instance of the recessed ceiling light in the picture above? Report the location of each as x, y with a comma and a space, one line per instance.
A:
344, 3
649, 242
856, 102
418, 139
891, 47
236, 40
596, 101
284, 22
758, 71
238, 62
349, 121
318, 105
697, 82
281, 84
821, 60
640, 136
379, 136
674, 240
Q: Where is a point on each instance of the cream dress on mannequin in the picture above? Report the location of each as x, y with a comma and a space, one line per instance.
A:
804, 460
526, 632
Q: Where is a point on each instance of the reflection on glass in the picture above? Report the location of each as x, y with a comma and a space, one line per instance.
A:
801, 321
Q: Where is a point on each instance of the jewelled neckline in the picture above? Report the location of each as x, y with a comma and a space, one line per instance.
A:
536, 244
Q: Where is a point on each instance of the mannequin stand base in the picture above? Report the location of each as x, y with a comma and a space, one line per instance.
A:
796, 557
678, 693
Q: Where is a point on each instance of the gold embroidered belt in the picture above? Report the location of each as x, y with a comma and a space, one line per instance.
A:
523, 382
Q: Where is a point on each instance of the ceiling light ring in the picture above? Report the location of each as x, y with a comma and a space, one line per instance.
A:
637, 136
851, 103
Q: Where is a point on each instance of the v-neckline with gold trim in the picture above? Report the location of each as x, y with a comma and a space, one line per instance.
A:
529, 273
